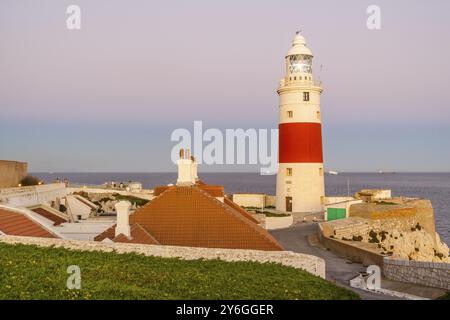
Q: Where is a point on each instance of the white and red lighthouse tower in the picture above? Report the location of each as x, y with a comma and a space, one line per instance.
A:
300, 178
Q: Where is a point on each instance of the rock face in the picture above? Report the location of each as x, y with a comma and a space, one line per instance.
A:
416, 244
391, 237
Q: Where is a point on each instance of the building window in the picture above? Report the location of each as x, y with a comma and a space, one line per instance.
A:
289, 172
320, 171
305, 96
318, 115
288, 182
295, 78
290, 114
300, 78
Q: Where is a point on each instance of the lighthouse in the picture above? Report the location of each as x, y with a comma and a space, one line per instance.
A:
300, 177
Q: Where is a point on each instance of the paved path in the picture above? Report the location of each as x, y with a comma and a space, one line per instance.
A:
339, 270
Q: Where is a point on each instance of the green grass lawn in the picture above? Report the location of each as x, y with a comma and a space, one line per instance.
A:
31, 272
445, 297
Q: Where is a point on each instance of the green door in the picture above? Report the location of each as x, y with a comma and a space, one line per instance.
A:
335, 213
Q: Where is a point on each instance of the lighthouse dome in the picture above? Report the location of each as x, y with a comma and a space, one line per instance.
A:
299, 46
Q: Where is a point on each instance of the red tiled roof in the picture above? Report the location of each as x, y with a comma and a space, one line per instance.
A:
18, 224
191, 216
109, 233
188, 216
138, 235
160, 189
57, 220
240, 210
214, 191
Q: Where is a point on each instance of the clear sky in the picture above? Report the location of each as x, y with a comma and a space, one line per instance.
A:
108, 96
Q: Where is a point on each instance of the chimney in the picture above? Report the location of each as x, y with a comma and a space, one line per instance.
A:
123, 224
185, 171
194, 166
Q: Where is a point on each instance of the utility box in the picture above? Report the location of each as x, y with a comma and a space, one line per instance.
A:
336, 213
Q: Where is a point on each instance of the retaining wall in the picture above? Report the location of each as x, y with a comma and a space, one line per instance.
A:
272, 223
32, 195
432, 274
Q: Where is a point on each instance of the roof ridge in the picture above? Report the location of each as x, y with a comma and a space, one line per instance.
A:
158, 197
263, 232
236, 207
146, 232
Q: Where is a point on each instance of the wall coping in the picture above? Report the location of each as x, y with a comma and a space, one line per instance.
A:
417, 264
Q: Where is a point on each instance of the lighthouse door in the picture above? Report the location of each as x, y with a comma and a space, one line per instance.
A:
289, 204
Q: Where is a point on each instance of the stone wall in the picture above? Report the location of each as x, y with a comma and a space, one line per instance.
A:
309, 263
11, 172
432, 274
346, 228
272, 223
249, 200
352, 252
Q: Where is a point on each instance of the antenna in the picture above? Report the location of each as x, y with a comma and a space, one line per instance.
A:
319, 75
348, 186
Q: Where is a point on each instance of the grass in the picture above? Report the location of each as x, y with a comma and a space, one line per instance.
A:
445, 296
134, 200
31, 272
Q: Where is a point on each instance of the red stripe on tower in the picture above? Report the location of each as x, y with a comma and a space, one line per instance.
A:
300, 143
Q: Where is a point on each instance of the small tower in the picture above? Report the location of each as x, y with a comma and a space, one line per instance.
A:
300, 181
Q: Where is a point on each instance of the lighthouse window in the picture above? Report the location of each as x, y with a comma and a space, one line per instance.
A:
300, 63
288, 172
318, 115
305, 96
320, 171
290, 114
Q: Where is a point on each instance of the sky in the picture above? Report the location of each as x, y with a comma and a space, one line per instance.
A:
107, 97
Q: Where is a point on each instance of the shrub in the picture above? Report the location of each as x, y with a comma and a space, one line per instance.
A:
383, 235
134, 200
84, 194
357, 238
29, 181
373, 237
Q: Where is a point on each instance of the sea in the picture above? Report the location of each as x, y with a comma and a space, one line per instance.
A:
433, 186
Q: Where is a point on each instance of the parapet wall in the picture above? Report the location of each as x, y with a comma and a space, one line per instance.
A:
32, 195
309, 263
256, 200
433, 274
11, 172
